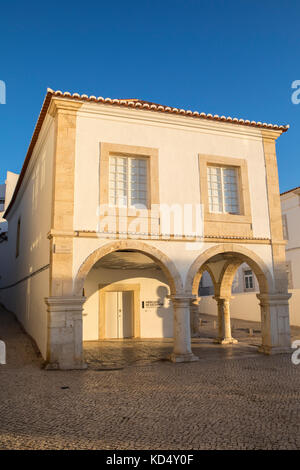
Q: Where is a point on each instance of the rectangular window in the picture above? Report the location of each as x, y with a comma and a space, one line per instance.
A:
285, 227
128, 181
248, 278
2, 202
223, 189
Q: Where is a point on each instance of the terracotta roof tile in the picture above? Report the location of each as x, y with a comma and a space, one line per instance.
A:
148, 105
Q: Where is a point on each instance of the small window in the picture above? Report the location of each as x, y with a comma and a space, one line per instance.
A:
18, 238
2, 202
223, 189
128, 181
285, 227
248, 280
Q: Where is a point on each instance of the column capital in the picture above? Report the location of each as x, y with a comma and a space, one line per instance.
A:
182, 300
222, 298
65, 303
267, 299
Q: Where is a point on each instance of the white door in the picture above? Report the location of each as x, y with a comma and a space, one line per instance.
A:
119, 314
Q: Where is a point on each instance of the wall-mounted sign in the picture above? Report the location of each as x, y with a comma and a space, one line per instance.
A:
152, 303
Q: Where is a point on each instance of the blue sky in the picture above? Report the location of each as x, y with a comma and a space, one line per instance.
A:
237, 58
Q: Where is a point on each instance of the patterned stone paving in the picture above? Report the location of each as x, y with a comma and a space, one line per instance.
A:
131, 398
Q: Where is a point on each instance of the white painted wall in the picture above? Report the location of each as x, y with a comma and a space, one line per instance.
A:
155, 322
179, 141
33, 206
290, 206
245, 306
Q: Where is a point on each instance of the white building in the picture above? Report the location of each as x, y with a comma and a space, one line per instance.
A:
245, 285
6, 191
90, 251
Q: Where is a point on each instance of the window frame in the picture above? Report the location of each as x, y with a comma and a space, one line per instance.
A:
151, 154
251, 276
128, 182
225, 224
222, 168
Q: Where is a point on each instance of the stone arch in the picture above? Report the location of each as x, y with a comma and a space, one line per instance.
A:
260, 269
165, 263
198, 276
226, 278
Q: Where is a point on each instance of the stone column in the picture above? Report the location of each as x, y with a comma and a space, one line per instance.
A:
275, 326
65, 333
195, 317
224, 325
182, 351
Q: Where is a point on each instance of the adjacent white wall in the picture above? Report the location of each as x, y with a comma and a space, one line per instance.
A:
33, 207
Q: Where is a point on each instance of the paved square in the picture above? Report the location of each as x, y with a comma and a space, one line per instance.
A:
129, 398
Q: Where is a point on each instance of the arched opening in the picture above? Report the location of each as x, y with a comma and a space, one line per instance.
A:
127, 288
127, 297
228, 282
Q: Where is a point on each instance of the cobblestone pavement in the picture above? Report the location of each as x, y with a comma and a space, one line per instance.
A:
129, 398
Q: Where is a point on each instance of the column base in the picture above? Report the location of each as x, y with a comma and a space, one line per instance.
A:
183, 357
270, 350
225, 341
56, 366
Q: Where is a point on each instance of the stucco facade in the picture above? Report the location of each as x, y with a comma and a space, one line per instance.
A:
64, 243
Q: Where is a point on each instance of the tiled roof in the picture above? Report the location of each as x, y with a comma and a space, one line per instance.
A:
150, 106
127, 103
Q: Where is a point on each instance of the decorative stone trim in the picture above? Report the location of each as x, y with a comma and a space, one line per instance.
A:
278, 247
275, 323
195, 271
166, 264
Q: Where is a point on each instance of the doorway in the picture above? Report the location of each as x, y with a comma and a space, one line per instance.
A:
119, 314
119, 311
